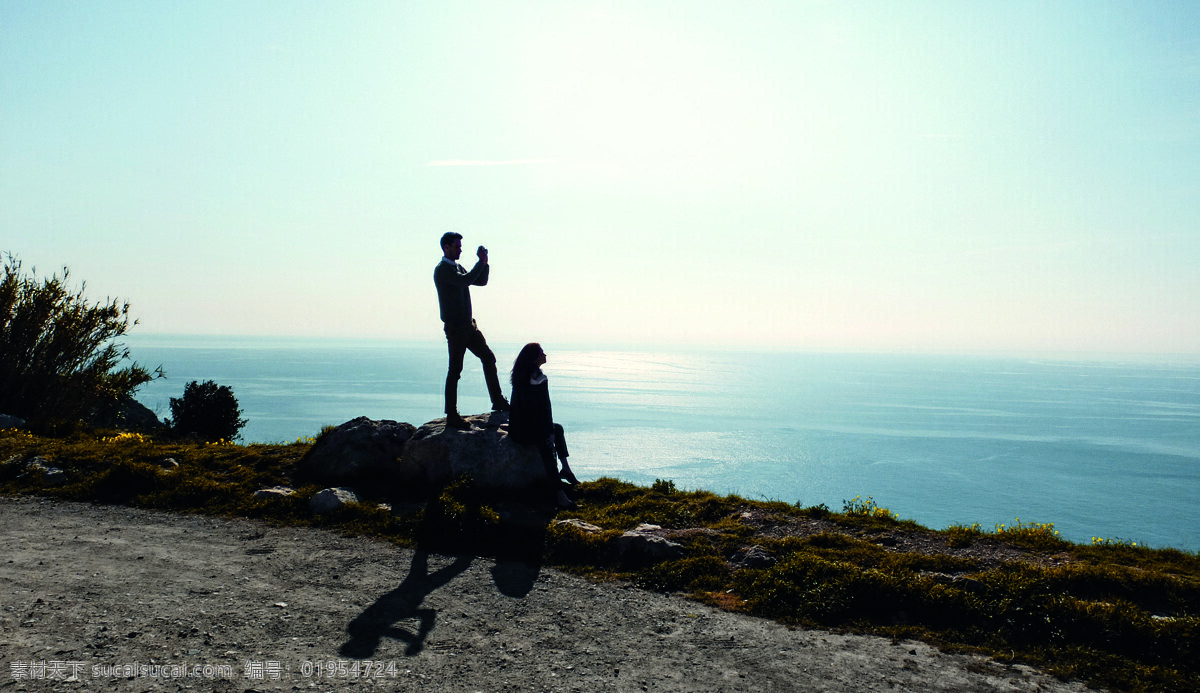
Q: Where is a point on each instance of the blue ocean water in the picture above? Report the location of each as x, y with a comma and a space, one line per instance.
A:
1101, 449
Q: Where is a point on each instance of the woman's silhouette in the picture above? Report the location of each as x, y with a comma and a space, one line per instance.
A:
530, 421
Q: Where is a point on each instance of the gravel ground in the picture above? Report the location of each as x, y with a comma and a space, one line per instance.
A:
99, 598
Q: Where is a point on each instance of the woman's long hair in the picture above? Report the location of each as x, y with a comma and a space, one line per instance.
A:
525, 364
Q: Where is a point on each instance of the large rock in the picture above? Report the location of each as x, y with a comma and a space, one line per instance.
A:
331, 499
753, 557
39, 469
127, 414
648, 541
275, 492
585, 527
7, 421
388, 457
361, 453
437, 455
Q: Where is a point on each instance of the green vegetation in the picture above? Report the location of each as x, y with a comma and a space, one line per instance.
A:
58, 358
962, 536
1111, 613
867, 508
207, 411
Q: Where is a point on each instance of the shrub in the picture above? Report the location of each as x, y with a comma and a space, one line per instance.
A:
664, 486
58, 360
867, 508
801, 589
207, 411
817, 512
686, 574
961, 536
1032, 535
458, 519
569, 545
124, 482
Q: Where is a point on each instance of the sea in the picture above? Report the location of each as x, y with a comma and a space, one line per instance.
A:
1105, 449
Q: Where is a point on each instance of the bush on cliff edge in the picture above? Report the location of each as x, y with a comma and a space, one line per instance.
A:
58, 357
207, 411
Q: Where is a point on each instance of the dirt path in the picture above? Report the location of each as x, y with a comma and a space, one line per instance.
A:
132, 600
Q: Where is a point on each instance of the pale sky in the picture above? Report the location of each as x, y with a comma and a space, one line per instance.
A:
836, 176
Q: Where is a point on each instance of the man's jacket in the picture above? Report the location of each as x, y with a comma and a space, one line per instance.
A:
453, 288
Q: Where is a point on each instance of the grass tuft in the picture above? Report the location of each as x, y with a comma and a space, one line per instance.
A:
1033, 536
962, 536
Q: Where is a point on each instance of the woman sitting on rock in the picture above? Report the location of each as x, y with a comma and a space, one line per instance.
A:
530, 421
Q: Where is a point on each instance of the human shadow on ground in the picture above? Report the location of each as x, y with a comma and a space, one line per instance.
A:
378, 620
515, 578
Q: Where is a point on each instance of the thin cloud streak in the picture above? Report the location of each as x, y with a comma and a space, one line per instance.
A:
490, 162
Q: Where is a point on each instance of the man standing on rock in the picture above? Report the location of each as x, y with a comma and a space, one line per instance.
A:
454, 297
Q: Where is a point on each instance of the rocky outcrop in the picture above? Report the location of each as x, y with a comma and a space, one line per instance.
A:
361, 453
7, 421
127, 414
437, 455
39, 470
753, 557
331, 499
275, 492
390, 458
385, 457
648, 541
576, 523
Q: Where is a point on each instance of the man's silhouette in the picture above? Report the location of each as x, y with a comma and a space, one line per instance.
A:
454, 297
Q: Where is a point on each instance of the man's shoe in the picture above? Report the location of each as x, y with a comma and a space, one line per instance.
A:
568, 476
456, 421
502, 405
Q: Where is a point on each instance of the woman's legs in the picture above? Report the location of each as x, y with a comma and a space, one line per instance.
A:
560, 442
546, 450
560, 446
553, 482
